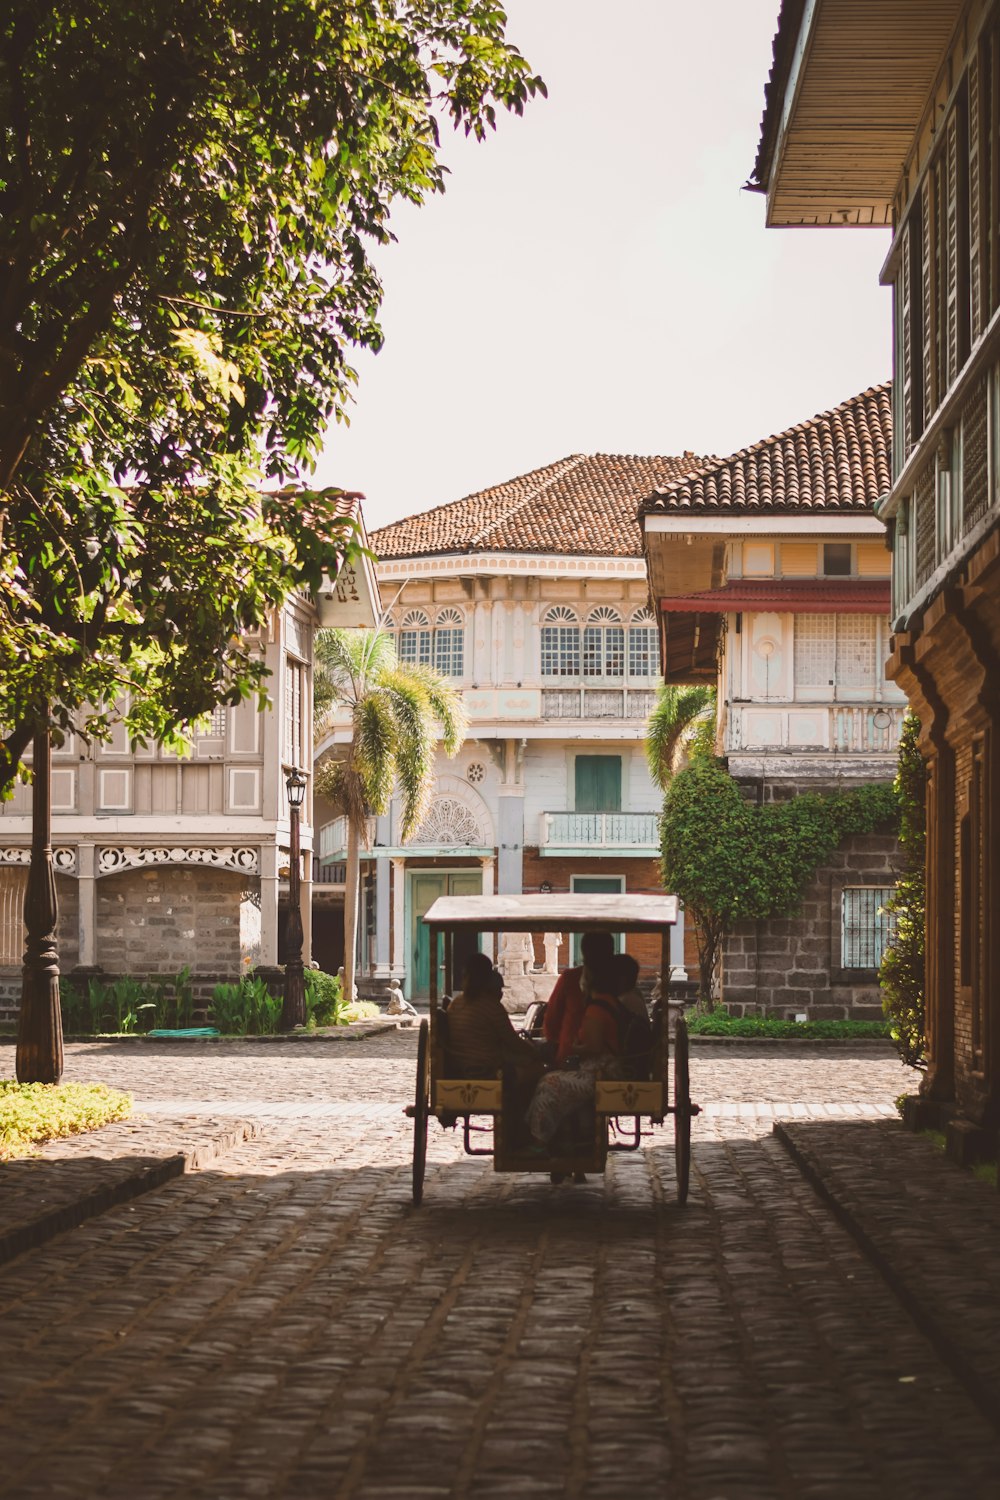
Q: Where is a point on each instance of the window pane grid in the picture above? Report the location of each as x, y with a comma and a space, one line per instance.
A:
560, 651
866, 926
415, 647
642, 651
448, 651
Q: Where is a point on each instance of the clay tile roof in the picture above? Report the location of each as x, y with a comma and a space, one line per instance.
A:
585, 504
839, 461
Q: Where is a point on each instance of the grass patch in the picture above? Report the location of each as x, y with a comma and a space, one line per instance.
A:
33, 1112
719, 1022
982, 1171
986, 1171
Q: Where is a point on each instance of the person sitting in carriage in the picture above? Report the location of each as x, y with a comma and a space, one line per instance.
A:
565, 1095
482, 1040
567, 1002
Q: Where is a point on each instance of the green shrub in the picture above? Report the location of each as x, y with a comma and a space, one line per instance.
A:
359, 1010
246, 1008
113, 1007
324, 998
31, 1112
902, 973
719, 1022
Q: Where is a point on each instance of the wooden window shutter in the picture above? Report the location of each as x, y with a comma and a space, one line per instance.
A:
950, 254
990, 166
928, 204
978, 252
905, 335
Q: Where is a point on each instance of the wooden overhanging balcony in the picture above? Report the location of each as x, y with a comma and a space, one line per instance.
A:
814, 728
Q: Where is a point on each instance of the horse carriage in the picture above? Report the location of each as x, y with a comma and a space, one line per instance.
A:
482, 1106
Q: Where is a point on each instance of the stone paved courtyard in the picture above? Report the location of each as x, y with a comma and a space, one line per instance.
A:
284, 1323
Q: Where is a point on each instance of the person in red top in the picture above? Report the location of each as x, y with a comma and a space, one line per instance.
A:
564, 1011
561, 1095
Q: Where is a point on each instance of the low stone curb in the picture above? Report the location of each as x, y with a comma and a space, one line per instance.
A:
43, 1196
353, 1031
929, 1228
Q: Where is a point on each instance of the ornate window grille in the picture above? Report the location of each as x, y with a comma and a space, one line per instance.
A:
865, 926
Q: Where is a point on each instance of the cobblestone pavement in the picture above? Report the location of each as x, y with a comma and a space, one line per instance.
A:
283, 1323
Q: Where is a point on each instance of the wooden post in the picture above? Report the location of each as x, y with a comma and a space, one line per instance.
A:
39, 1030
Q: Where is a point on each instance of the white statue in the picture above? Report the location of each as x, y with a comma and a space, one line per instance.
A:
551, 942
398, 1004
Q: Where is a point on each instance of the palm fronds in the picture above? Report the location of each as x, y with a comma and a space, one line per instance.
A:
677, 716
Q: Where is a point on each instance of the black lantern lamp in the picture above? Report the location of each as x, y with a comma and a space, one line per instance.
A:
293, 1009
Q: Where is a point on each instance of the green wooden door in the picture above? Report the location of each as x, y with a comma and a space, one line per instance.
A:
598, 783
596, 885
425, 889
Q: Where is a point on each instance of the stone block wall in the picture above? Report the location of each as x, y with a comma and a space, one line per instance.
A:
157, 921
792, 965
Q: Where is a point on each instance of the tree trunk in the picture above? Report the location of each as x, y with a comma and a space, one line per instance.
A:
351, 893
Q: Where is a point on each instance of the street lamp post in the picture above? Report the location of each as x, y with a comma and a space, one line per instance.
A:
39, 1028
293, 1009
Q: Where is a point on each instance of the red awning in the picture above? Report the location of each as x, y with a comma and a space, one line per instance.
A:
803, 596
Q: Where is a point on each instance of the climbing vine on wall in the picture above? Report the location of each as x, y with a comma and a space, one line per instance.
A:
730, 860
902, 973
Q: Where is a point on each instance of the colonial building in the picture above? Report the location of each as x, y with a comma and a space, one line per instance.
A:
880, 113
771, 580
532, 597
164, 861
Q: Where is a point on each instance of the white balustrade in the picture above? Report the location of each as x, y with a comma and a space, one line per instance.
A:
599, 830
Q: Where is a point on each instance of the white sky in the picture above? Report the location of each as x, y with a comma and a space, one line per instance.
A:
594, 280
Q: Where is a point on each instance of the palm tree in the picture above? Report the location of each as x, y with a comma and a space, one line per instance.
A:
682, 718
396, 709
682, 725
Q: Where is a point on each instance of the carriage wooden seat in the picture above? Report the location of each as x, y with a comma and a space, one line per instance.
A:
459, 1096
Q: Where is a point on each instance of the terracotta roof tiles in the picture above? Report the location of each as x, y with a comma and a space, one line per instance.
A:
839, 461
582, 505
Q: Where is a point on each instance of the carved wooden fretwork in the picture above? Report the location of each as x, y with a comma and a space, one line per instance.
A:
450, 822
224, 857
63, 860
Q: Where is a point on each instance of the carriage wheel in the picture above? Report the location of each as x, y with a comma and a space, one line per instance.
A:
420, 1113
682, 1110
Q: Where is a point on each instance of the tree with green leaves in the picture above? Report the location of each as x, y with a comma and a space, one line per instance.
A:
902, 973
396, 711
189, 194
730, 860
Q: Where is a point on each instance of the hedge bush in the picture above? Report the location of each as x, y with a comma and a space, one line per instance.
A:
33, 1112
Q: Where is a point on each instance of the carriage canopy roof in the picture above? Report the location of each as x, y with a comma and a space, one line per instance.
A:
563, 912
